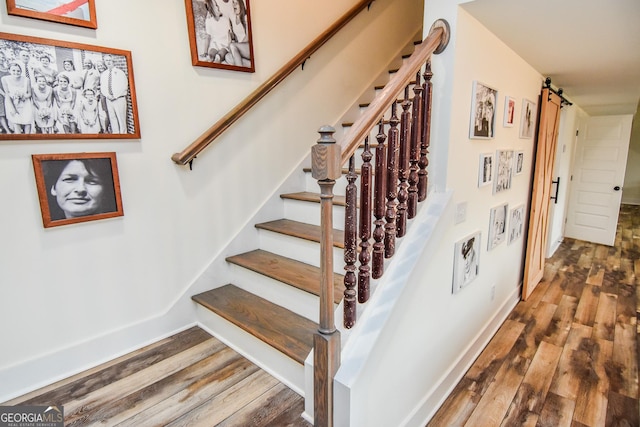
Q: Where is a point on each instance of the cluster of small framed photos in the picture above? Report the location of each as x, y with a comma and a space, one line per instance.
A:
483, 113
504, 225
496, 169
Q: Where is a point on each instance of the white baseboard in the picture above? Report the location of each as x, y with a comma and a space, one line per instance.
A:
439, 393
30, 375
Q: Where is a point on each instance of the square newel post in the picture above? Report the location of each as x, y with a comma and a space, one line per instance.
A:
325, 167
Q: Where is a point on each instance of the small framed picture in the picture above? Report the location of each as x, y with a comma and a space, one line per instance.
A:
81, 13
504, 171
509, 111
485, 169
497, 226
62, 90
220, 34
519, 159
528, 119
483, 111
516, 223
77, 187
466, 261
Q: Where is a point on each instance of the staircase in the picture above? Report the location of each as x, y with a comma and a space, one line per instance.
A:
270, 311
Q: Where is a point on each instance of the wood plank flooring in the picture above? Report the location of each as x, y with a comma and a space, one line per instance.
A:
189, 379
568, 356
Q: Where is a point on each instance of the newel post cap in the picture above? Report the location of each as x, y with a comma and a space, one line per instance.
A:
325, 156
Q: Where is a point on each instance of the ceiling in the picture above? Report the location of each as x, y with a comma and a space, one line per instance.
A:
589, 48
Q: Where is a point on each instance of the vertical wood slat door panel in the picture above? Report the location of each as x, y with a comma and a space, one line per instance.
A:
541, 192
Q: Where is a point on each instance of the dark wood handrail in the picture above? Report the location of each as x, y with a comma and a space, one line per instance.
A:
190, 153
435, 42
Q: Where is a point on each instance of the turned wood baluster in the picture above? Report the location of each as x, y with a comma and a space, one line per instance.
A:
403, 167
377, 262
427, 95
414, 153
350, 246
392, 184
365, 224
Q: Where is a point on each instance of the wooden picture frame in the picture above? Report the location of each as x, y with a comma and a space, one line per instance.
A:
77, 187
483, 111
509, 111
81, 13
55, 97
220, 34
486, 169
528, 119
466, 261
497, 225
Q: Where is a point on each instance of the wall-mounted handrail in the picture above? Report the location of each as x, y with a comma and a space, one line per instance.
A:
189, 153
435, 42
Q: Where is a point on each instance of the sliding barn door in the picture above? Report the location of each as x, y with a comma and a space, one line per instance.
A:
540, 197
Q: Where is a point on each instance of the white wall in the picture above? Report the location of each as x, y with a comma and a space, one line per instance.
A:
427, 343
76, 295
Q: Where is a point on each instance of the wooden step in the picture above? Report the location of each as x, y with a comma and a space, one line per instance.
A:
280, 328
301, 230
286, 270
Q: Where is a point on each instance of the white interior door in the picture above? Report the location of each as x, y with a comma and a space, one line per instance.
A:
598, 175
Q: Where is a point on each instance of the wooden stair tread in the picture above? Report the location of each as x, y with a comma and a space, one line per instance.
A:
295, 273
301, 230
282, 329
308, 196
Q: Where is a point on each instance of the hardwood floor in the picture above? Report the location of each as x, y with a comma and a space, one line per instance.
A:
189, 379
568, 356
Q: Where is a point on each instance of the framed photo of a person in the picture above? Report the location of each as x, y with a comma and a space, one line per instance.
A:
77, 187
509, 111
483, 111
81, 13
528, 119
519, 159
504, 171
466, 261
62, 90
220, 34
497, 226
485, 169
516, 224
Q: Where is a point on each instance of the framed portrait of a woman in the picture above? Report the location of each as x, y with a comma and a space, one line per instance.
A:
80, 13
220, 34
77, 187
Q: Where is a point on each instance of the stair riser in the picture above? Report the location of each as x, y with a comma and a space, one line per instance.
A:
268, 358
298, 249
309, 212
289, 297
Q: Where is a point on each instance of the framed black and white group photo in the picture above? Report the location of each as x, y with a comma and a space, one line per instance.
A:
220, 34
61, 90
